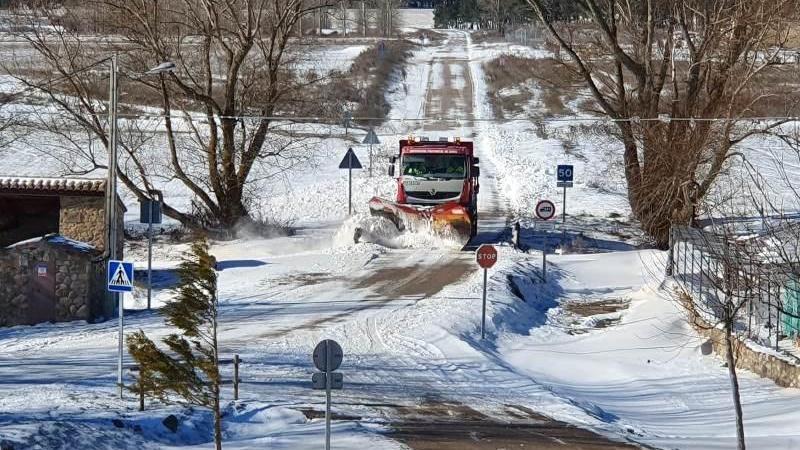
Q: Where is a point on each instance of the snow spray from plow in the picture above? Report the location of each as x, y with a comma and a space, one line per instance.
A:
449, 219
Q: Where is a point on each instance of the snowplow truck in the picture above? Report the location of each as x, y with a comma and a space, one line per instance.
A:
437, 188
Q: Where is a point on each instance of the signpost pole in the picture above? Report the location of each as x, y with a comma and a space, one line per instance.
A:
149, 253
483, 316
564, 206
350, 162
370, 160
119, 280
328, 380
486, 257
544, 263
350, 185
120, 297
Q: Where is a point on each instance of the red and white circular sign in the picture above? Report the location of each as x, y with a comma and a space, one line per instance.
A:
545, 210
486, 256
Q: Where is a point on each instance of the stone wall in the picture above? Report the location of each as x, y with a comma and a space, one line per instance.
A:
83, 219
13, 290
782, 372
78, 283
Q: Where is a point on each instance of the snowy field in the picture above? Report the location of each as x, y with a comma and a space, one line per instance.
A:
408, 318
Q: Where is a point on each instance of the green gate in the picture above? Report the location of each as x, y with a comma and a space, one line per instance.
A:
791, 303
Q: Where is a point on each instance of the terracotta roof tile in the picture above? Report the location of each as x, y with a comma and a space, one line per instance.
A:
76, 185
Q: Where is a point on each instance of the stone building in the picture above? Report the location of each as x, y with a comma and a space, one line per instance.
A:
52, 278
52, 250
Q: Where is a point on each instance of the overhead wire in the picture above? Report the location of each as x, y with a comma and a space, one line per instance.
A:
326, 120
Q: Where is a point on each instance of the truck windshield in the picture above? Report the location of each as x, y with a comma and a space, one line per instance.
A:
435, 166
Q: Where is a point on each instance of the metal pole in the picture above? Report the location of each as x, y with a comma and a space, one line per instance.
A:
671, 254
236, 377
111, 190
328, 374
350, 186
564, 207
121, 298
691, 282
702, 275
149, 252
370, 160
685, 260
778, 319
769, 308
544, 264
344, 18
483, 314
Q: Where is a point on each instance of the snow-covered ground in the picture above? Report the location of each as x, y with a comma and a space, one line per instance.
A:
409, 318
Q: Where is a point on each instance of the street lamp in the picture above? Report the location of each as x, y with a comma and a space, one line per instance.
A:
111, 188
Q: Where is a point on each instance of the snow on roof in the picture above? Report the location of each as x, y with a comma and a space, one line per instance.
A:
72, 185
57, 239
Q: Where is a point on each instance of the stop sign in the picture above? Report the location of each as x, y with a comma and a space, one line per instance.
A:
486, 256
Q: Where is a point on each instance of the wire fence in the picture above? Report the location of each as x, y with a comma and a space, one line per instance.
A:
724, 276
532, 35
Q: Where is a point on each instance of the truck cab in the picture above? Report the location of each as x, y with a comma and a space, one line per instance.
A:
432, 173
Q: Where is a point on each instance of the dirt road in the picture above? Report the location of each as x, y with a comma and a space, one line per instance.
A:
452, 426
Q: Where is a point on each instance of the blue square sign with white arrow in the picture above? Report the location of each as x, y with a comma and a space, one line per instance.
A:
120, 276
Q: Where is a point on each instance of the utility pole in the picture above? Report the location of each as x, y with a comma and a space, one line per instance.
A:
388, 30
111, 198
111, 191
344, 18
300, 26
319, 17
364, 16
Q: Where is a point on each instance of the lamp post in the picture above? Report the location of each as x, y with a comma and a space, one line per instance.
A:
111, 190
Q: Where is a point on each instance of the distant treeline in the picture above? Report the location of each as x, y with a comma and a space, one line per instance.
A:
496, 14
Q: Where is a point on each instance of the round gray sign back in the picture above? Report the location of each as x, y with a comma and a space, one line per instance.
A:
321, 352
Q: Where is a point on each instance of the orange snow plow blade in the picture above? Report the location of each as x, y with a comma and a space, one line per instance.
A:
448, 218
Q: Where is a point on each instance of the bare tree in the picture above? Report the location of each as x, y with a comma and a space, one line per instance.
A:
499, 14
665, 71
9, 123
217, 108
387, 15
728, 282
776, 205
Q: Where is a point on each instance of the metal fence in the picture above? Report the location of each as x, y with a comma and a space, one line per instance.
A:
718, 273
532, 35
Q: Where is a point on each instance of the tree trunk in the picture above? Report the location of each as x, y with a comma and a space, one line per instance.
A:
233, 209
737, 402
216, 377
217, 420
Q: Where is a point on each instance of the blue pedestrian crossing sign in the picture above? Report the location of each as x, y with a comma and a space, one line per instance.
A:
120, 276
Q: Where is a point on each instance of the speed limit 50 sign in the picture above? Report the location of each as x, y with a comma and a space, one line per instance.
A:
565, 175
